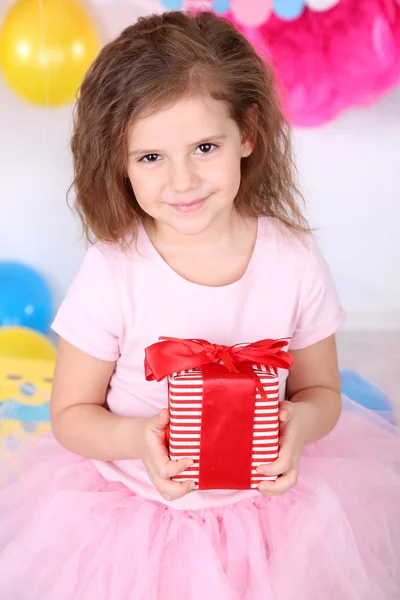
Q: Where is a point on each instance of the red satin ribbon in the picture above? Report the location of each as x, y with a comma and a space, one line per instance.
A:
173, 354
229, 391
227, 421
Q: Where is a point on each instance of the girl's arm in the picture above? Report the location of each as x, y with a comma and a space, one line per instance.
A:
314, 385
313, 389
80, 421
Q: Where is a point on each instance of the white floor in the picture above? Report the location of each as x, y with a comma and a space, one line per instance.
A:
376, 355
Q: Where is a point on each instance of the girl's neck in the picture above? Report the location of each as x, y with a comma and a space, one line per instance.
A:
223, 231
218, 257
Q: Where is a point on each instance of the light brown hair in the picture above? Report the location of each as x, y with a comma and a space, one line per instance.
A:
152, 64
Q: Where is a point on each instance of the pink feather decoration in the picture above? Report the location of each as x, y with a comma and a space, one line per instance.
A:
327, 62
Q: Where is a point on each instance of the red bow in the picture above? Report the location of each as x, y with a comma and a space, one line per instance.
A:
170, 355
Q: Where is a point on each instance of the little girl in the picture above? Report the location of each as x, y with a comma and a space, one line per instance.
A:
183, 176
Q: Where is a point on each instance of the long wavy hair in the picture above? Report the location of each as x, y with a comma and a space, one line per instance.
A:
151, 65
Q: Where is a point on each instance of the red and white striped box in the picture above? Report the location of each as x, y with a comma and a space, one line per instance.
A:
185, 428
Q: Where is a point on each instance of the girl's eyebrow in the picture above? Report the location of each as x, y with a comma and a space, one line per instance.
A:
205, 140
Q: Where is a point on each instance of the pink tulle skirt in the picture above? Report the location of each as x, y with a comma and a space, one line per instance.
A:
67, 534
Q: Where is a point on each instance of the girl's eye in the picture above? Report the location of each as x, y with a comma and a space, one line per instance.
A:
206, 148
149, 158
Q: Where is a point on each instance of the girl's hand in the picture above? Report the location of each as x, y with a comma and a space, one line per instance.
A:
157, 462
286, 466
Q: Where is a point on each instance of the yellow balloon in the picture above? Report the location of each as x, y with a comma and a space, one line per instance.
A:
46, 46
21, 342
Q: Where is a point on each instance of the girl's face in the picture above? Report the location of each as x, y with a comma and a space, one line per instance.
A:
184, 164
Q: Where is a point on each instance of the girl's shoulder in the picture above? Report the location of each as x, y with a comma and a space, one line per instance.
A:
119, 257
293, 260
297, 246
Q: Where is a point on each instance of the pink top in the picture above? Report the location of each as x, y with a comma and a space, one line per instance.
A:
121, 303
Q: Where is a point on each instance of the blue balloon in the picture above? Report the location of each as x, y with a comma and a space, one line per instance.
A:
172, 4
221, 6
288, 9
25, 298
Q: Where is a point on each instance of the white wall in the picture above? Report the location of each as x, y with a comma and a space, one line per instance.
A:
349, 171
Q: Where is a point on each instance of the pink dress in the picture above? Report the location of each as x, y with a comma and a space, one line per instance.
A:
76, 529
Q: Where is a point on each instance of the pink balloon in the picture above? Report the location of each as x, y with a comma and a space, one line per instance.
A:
251, 13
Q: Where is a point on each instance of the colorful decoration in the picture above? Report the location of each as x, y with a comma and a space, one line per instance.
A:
220, 6
321, 5
173, 4
365, 393
25, 297
251, 13
46, 46
330, 60
20, 342
23, 414
288, 9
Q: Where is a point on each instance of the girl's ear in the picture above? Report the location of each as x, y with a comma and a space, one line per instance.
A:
249, 136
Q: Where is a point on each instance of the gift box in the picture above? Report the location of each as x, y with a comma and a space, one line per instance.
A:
224, 407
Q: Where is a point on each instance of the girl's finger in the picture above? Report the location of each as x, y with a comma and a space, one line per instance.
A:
171, 468
280, 466
285, 412
158, 423
281, 485
173, 490
161, 463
